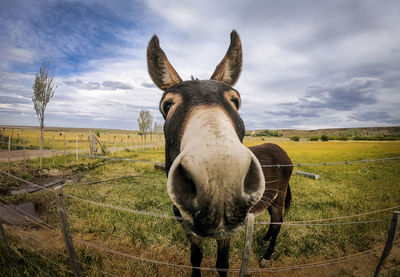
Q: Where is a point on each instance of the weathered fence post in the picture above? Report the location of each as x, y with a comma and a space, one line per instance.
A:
65, 230
112, 152
389, 242
76, 148
65, 157
52, 153
94, 143
306, 174
247, 245
23, 145
4, 238
9, 154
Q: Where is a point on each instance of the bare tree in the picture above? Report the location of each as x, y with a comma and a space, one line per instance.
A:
43, 91
145, 121
157, 128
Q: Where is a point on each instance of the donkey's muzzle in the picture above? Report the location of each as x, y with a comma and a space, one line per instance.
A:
214, 187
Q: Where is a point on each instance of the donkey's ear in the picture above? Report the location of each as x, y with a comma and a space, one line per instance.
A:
230, 67
161, 71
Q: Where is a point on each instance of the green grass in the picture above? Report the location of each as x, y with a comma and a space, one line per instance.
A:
341, 190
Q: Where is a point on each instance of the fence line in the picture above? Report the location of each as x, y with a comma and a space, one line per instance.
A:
390, 269
51, 228
291, 223
347, 258
332, 163
294, 223
36, 266
54, 249
125, 159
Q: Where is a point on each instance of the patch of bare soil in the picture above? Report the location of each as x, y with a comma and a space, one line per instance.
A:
364, 266
48, 240
10, 214
50, 178
37, 238
18, 155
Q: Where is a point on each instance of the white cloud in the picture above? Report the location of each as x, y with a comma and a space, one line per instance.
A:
300, 59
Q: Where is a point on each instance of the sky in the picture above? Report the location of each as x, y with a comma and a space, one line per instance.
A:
306, 64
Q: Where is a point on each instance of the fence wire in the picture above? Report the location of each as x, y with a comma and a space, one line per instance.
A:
347, 258
332, 163
45, 225
290, 223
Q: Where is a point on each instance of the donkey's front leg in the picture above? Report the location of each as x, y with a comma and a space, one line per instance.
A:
196, 253
223, 255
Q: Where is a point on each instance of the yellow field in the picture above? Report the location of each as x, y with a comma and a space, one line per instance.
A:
342, 190
108, 139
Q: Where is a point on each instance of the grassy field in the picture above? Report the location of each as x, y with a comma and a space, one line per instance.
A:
108, 138
341, 190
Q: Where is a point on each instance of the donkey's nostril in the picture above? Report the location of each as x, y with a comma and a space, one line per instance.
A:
181, 187
254, 181
187, 182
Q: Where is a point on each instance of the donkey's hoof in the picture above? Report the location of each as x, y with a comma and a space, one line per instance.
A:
264, 262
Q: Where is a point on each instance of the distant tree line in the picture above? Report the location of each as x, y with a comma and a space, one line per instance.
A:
266, 133
384, 137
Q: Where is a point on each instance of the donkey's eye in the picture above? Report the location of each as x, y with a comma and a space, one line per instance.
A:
235, 102
167, 106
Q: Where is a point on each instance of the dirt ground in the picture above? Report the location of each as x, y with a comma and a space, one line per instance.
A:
18, 155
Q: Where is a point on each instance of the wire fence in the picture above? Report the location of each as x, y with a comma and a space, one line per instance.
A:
311, 222
39, 222
289, 223
332, 163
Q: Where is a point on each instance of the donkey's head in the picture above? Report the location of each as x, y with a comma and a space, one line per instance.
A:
213, 179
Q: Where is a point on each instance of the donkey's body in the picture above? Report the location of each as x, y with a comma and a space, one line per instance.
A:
277, 194
213, 179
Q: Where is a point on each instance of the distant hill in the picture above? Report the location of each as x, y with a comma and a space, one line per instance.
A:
333, 132
69, 129
345, 132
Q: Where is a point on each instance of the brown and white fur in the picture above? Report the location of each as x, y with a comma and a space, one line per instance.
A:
213, 179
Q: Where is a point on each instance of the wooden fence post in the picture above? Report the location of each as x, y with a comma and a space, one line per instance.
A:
23, 145
4, 239
9, 154
66, 231
389, 242
65, 157
76, 149
93, 144
247, 245
52, 153
112, 152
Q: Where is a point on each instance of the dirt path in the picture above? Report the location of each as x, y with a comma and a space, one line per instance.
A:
18, 155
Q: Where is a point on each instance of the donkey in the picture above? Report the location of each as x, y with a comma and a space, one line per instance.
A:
213, 179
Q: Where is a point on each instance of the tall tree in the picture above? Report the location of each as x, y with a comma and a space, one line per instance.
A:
43, 91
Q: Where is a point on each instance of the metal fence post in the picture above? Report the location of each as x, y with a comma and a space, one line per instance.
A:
247, 245
389, 242
66, 232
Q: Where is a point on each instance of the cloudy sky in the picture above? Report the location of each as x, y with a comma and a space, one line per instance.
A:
307, 64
